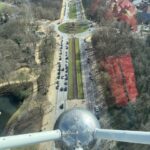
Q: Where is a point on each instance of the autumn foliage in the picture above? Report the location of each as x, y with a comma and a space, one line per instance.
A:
123, 84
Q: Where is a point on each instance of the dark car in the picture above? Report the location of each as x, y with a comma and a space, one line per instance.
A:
61, 106
61, 89
57, 87
66, 78
97, 112
65, 89
65, 83
57, 82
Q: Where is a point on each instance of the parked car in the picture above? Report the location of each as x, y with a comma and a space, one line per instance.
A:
61, 89
65, 83
65, 89
66, 78
97, 111
57, 87
61, 106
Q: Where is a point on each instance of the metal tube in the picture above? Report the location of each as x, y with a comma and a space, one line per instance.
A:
123, 136
28, 139
79, 148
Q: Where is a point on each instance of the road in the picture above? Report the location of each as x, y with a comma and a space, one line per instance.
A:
62, 77
62, 72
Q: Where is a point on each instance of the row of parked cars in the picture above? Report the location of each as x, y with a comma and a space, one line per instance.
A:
62, 72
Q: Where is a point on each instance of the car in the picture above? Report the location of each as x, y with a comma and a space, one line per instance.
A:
90, 78
61, 106
58, 77
66, 47
65, 83
61, 89
59, 58
59, 66
97, 111
88, 60
66, 78
66, 58
90, 74
91, 25
62, 69
62, 77
57, 87
65, 89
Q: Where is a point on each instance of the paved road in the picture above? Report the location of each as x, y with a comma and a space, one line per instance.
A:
88, 84
62, 73
62, 77
62, 81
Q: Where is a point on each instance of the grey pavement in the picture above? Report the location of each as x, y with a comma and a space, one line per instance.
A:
89, 86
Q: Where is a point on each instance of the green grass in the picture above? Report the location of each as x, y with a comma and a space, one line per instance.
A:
2, 6
70, 85
73, 28
72, 11
33, 147
79, 71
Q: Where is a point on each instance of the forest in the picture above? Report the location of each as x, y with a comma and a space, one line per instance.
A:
18, 31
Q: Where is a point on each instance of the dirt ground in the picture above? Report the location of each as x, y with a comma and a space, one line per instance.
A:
76, 103
49, 106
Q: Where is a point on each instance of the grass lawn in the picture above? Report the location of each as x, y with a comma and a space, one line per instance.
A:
79, 71
72, 11
73, 28
70, 85
2, 6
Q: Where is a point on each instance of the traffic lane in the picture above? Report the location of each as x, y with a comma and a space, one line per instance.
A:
90, 89
66, 17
